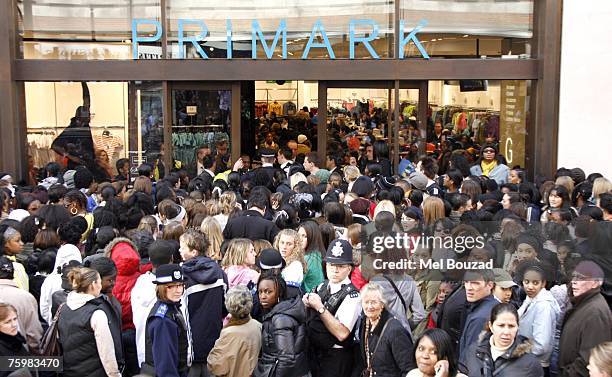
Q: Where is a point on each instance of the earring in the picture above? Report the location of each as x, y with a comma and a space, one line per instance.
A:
73, 211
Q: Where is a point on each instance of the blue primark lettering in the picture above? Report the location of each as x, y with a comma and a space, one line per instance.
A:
256, 31
318, 26
412, 37
228, 28
136, 39
364, 40
193, 39
281, 33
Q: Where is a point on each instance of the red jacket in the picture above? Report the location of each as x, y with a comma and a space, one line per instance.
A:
125, 255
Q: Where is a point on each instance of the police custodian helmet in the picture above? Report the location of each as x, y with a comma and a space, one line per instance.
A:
169, 273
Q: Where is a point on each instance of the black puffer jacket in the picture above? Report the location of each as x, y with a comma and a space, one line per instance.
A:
283, 343
393, 357
516, 361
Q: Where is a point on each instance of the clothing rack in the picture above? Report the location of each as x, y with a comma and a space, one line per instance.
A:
295, 96
201, 126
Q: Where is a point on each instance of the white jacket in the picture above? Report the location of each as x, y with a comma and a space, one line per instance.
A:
143, 299
53, 282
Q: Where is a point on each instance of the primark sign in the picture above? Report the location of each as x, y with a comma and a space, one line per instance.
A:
316, 39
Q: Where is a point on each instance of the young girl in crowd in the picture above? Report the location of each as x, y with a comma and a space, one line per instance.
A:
312, 244
539, 313
238, 263
289, 244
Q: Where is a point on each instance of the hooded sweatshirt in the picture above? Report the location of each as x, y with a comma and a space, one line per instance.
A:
53, 282
240, 275
205, 286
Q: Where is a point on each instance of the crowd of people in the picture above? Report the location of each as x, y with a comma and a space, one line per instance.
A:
223, 269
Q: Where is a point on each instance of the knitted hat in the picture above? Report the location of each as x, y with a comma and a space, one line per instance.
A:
301, 138
386, 183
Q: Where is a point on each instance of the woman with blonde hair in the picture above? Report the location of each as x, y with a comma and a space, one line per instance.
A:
351, 173
288, 242
12, 343
212, 230
90, 346
600, 362
433, 210
227, 205
238, 262
297, 178
566, 182
601, 185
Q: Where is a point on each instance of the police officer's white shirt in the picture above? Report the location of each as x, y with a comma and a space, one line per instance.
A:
350, 309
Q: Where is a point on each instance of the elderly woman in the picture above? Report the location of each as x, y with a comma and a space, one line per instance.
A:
240, 336
386, 347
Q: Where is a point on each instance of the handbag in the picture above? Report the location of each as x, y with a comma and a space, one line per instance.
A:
50, 345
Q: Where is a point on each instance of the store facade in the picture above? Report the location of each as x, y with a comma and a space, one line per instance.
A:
163, 77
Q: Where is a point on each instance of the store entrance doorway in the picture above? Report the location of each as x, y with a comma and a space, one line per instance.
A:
390, 116
204, 118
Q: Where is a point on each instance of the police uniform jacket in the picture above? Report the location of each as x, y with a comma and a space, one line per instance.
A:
166, 341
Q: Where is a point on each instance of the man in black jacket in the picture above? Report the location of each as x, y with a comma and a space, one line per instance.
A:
252, 224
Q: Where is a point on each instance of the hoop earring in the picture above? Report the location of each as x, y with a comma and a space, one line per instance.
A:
74, 211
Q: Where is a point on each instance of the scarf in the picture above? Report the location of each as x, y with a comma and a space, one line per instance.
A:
487, 167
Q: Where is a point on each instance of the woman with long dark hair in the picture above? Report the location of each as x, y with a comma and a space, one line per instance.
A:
312, 243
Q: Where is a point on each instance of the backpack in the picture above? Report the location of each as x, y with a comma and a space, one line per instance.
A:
49, 344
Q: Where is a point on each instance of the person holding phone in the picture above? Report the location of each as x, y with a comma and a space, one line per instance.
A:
434, 356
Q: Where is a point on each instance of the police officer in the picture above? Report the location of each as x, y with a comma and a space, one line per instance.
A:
166, 342
268, 157
333, 310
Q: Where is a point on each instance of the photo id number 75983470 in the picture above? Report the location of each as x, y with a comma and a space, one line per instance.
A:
39, 363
